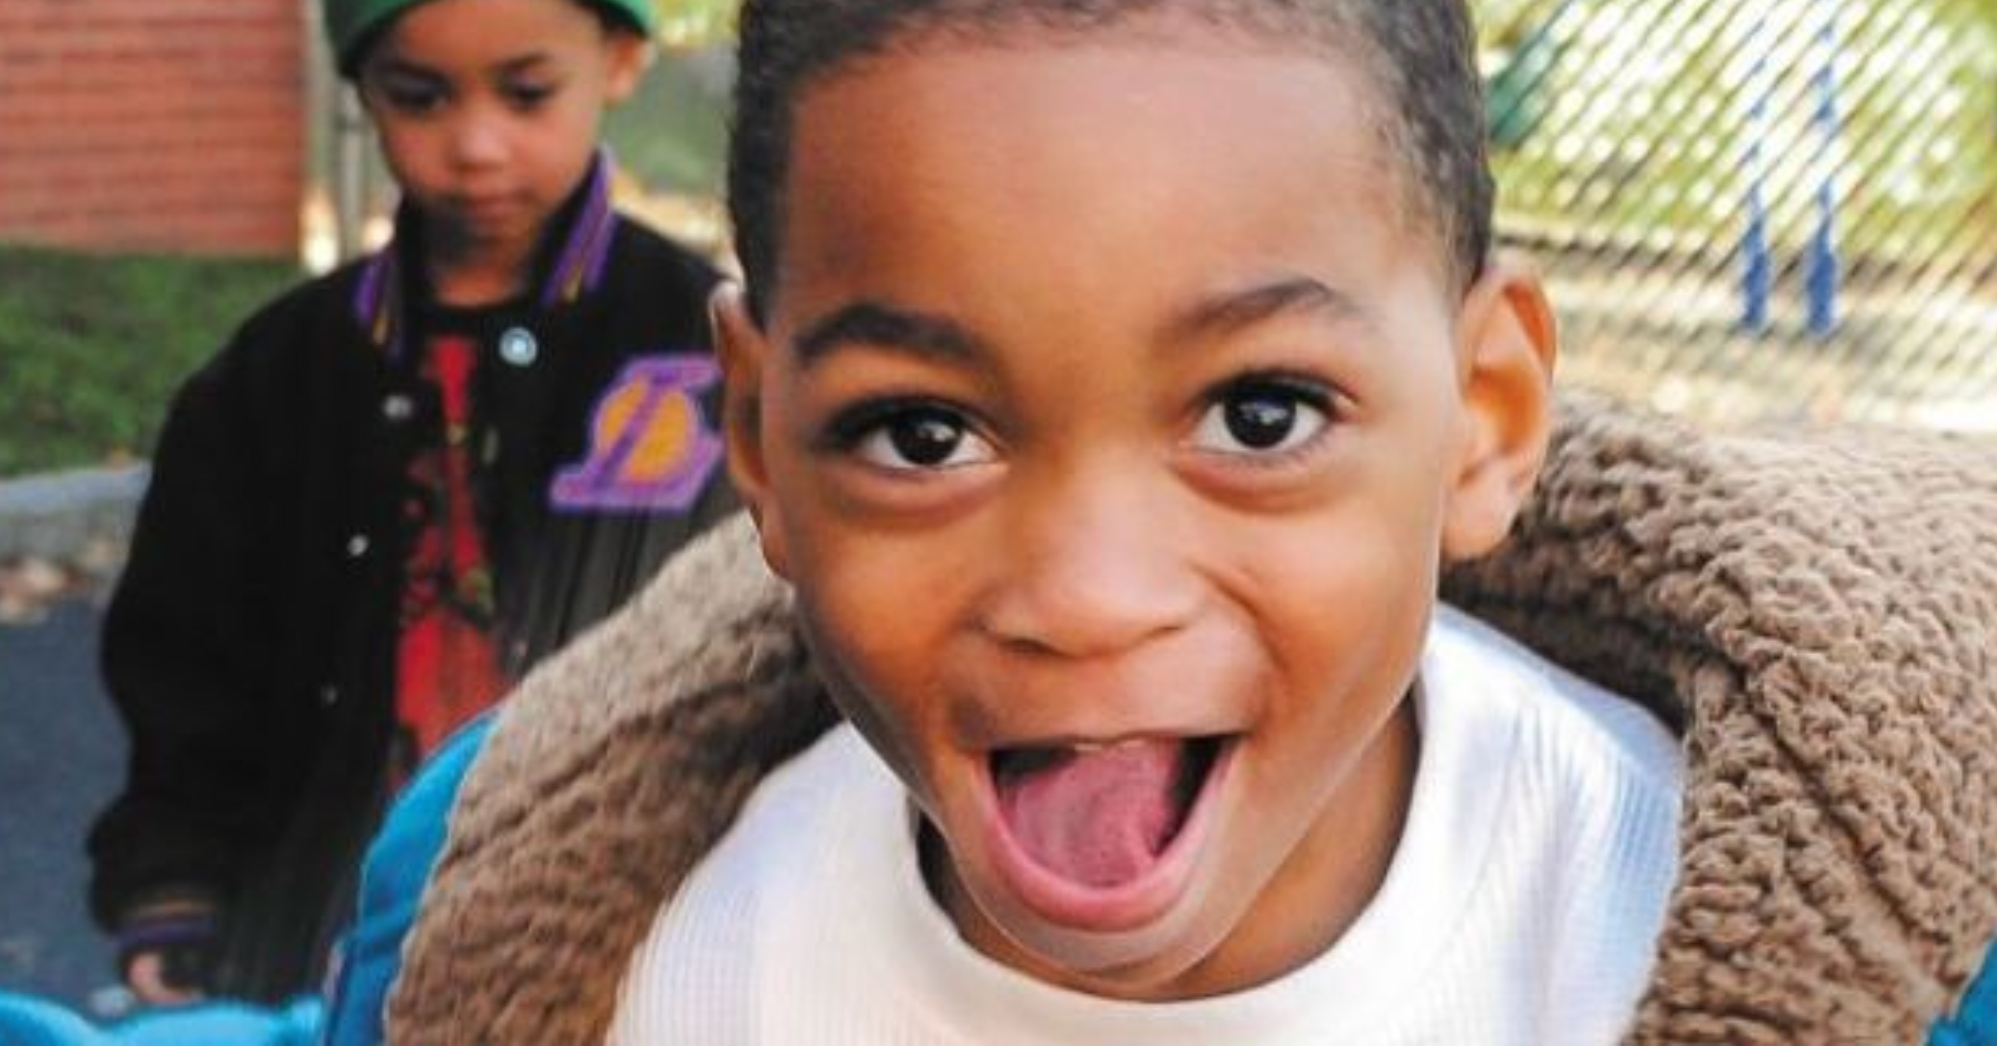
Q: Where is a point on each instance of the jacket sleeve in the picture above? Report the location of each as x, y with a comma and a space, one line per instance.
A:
188, 659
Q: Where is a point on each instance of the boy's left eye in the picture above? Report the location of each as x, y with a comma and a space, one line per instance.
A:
1263, 417
527, 96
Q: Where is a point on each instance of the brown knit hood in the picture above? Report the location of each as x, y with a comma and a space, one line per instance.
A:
1817, 615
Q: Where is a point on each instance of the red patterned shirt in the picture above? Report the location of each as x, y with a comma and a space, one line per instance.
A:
448, 668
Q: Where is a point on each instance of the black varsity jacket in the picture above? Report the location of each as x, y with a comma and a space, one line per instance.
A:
251, 643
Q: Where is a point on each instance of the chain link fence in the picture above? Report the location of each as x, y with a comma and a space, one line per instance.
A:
1759, 209
1746, 209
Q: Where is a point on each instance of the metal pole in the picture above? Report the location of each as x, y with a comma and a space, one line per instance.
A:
1758, 276
1823, 262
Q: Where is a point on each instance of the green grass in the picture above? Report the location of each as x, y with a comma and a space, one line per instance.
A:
92, 347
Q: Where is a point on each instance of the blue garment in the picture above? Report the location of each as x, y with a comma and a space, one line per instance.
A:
398, 864
1975, 1024
28, 1021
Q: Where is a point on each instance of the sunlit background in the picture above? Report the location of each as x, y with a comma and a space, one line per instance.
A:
1760, 208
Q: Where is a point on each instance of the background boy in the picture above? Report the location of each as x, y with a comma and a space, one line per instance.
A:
398, 486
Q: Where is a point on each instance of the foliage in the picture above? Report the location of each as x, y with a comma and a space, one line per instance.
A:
673, 133
690, 23
92, 347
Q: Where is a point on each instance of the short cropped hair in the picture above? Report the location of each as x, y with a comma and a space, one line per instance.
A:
1421, 54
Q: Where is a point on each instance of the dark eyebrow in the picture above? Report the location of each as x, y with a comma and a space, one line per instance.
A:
885, 326
1232, 310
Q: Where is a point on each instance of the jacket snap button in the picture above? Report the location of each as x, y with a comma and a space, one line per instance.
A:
397, 407
329, 695
357, 546
518, 347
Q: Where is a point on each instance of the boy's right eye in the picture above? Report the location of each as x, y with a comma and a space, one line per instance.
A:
914, 437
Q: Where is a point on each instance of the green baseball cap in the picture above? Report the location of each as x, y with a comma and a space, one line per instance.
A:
351, 23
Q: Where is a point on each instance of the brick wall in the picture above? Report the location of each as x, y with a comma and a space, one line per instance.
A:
171, 125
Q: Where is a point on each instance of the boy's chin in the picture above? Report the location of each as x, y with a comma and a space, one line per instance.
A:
1143, 963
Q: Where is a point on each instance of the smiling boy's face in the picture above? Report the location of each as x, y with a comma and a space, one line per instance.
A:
1112, 419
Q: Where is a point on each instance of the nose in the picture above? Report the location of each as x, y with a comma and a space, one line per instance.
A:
479, 138
1091, 566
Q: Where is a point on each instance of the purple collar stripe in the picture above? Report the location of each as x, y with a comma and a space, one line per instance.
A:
367, 297
579, 267
387, 328
377, 301
599, 259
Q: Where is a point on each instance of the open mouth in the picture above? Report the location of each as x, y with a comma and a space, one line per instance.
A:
1102, 816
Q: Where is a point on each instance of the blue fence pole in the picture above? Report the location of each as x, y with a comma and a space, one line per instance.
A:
1758, 273
1823, 263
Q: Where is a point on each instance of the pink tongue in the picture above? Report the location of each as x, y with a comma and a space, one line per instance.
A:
1097, 818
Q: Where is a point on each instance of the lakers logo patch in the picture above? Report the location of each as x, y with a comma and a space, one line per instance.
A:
650, 445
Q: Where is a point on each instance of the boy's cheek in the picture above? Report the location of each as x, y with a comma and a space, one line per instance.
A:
891, 729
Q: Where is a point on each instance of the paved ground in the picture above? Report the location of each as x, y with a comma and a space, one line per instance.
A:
61, 756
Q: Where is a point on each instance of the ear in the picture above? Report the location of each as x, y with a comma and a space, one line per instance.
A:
1507, 345
743, 349
628, 55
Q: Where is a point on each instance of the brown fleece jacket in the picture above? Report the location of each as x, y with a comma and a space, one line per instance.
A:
1816, 614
